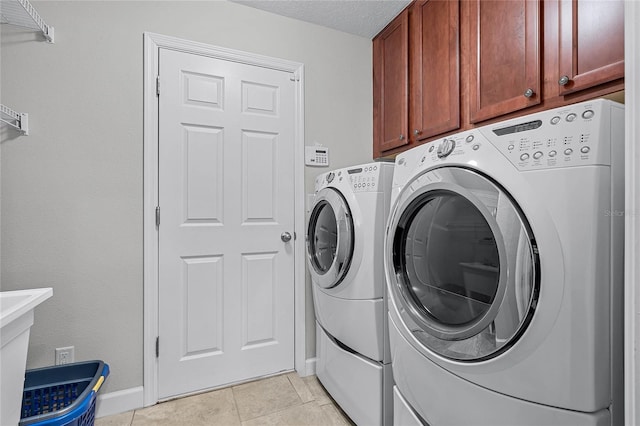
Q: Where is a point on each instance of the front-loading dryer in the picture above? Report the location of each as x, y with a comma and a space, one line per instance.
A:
503, 259
345, 242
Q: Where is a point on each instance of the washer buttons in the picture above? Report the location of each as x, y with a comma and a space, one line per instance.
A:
552, 153
588, 114
555, 120
469, 138
537, 155
585, 149
524, 157
476, 147
571, 117
568, 151
510, 147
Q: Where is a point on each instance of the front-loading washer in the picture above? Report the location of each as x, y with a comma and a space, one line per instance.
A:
504, 265
345, 242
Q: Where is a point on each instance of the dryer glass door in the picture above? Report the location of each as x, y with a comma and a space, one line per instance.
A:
329, 239
463, 264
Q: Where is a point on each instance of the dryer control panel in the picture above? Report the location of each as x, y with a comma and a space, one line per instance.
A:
364, 178
562, 137
361, 178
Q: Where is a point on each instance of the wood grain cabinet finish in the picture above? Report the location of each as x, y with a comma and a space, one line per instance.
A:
434, 74
505, 49
446, 65
391, 85
416, 76
591, 43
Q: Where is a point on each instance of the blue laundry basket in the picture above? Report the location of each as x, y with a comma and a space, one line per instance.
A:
62, 394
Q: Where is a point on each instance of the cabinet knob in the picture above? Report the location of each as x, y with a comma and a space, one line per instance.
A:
528, 93
401, 137
563, 80
416, 132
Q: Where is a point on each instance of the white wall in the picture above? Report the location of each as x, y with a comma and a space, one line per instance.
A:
71, 192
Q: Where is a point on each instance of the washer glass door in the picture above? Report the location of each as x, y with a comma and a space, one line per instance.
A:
329, 238
463, 264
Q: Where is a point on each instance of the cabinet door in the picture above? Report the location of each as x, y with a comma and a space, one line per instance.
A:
391, 85
591, 43
504, 57
435, 68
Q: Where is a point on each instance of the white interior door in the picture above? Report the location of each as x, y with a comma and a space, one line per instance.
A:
226, 197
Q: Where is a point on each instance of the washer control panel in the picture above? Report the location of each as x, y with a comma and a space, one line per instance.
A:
562, 137
362, 178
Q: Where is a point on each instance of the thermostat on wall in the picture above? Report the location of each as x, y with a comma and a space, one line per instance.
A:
316, 156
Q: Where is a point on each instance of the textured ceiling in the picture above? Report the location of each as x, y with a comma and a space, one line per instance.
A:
364, 18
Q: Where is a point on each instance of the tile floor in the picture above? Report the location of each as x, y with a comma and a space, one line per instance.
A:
287, 399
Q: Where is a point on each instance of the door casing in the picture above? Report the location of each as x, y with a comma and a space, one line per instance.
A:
152, 43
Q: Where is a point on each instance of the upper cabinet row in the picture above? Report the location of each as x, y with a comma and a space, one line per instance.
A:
445, 65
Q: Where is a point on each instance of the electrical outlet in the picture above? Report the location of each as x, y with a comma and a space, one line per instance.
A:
65, 355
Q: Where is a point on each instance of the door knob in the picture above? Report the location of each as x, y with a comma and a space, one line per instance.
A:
285, 237
563, 80
528, 93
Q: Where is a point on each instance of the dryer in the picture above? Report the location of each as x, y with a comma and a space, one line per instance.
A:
345, 241
504, 263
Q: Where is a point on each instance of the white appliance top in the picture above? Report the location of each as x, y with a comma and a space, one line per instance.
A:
570, 136
361, 178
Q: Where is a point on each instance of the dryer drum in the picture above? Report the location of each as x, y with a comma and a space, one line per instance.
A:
464, 265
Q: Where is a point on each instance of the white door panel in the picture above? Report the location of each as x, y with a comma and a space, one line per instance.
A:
226, 193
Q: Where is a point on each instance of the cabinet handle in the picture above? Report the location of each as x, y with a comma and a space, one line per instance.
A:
416, 132
401, 137
563, 80
528, 93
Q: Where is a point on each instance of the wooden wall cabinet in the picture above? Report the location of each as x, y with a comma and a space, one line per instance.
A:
434, 73
391, 86
426, 101
591, 44
505, 49
446, 65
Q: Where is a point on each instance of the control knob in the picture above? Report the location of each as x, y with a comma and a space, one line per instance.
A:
446, 147
330, 177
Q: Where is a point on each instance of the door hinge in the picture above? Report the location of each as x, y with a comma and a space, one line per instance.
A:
157, 346
157, 216
158, 86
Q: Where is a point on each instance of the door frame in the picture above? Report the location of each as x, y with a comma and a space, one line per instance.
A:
152, 43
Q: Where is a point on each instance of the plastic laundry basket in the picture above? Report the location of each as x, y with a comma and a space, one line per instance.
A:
62, 394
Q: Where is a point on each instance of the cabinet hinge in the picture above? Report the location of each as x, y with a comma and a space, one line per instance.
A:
157, 346
157, 216
158, 86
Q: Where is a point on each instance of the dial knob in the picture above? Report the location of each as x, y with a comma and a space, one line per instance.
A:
330, 177
446, 147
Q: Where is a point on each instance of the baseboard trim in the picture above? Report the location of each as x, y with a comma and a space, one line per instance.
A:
120, 401
310, 367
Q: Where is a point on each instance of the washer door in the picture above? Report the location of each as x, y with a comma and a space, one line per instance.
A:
329, 239
463, 264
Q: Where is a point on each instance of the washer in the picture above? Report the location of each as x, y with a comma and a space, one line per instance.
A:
345, 242
504, 263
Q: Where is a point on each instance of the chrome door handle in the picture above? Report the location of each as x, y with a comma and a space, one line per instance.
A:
285, 237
